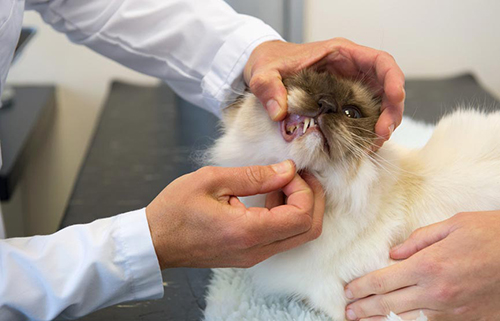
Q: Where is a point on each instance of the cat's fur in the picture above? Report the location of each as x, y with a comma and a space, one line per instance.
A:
373, 200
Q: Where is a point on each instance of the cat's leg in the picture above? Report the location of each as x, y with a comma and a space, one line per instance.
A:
329, 298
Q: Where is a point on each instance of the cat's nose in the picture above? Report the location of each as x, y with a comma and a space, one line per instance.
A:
327, 107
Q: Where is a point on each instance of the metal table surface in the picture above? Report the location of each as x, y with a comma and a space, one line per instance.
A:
147, 137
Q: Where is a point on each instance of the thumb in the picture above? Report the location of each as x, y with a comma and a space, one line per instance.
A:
268, 87
249, 180
420, 239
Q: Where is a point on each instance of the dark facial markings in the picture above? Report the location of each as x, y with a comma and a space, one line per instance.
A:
345, 110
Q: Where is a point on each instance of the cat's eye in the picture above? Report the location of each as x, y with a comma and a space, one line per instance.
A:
351, 112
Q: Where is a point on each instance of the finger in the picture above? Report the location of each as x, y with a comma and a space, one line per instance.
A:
367, 64
246, 181
393, 82
389, 119
403, 300
267, 86
378, 63
406, 316
287, 220
319, 203
275, 198
391, 78
391, 278
317, 221
392, 105
420, 239
235, 202
414, 315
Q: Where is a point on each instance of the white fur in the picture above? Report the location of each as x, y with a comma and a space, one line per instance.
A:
369, 211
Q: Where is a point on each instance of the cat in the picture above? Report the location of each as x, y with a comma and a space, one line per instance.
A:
374, 200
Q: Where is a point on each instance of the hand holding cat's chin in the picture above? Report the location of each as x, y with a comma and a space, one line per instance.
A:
451, 271
198, 220
273, 60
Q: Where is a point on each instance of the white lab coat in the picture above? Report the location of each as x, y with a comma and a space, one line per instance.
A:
199, 47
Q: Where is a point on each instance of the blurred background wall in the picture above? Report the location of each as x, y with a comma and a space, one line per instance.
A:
427, 38
82, 78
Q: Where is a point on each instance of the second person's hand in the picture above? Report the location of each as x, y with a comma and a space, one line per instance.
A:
272, 61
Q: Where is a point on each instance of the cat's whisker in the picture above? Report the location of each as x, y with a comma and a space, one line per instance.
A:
376, 157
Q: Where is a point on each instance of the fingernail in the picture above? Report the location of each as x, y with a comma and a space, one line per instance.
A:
391, 129
283, 167
348, 294
273, 108
350, 315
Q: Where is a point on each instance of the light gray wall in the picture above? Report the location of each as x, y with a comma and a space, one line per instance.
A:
285, 16
82, 79
428, 38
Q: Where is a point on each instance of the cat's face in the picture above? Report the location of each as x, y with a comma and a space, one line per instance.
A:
330, 121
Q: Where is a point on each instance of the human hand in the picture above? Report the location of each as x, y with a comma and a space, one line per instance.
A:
198, 220
271, 61
451, 272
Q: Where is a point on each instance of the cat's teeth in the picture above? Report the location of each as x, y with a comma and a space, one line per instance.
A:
306, 124
312, 122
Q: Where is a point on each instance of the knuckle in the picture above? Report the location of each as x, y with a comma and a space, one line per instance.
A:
303, 223
246, 240
316, 231
384, 306
461, 311
251, 260
207, 172
430, 267
444, 294
255, 174
416, 233
338, 40
388, 56
258, 82
461, 217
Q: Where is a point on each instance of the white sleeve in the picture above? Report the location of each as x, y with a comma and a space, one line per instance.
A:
199, 47
79, 269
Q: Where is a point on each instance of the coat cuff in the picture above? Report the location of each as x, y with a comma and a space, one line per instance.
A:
138, 256
224, 81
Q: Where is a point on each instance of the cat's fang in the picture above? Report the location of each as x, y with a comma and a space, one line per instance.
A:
306, 125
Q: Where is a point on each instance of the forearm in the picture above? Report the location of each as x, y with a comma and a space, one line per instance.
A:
198, 47
79, 269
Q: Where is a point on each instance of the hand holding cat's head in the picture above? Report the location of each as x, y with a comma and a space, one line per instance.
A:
331, 121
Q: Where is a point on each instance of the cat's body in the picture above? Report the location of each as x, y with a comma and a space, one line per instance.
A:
373, 201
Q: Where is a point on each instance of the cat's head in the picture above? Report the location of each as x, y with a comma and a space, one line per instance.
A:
330, 121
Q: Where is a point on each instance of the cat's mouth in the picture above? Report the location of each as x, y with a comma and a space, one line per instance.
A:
294, 126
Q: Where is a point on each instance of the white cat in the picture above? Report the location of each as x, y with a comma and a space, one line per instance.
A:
374, 200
